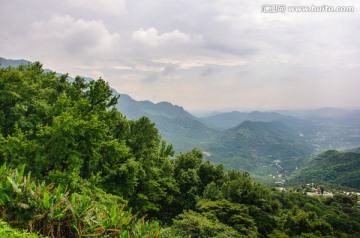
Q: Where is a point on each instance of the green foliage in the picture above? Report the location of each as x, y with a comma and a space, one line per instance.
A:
73, 132
51, 211
340, 169
55, 126
7, 232
254, 146
239, 188
212, 192
192, 224
299, 221
193, 175
231, 214
278, 234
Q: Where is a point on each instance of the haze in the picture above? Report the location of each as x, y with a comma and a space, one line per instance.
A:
202, 55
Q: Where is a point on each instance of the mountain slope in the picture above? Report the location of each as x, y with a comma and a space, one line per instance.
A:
259, 147
228, 120
176, 125
13, 63
331, 167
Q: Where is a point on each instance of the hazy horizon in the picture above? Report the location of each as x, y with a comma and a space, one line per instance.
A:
204, 56
215, 111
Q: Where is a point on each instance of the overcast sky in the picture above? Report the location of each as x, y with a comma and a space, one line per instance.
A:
202, 55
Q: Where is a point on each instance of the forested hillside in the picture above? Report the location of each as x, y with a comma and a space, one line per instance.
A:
74, 166
262, 148
178, 126
339, 169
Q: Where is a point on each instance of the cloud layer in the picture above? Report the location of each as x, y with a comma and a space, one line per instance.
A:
73, 36
152, 38
202, 55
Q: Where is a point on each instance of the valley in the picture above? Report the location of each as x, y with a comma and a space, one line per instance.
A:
269, 145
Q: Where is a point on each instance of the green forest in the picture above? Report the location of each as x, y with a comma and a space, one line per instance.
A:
73, 166
334, 168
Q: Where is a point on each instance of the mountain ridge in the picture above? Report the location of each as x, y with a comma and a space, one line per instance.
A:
178, 126
227, 120
299, 135
13, 63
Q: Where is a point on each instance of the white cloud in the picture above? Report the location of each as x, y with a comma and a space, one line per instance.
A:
152, 38
64, 34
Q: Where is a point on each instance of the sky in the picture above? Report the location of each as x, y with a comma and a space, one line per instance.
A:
203, 55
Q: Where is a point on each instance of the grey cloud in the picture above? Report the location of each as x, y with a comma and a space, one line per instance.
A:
151, 78
241, 49
168, 69
208, 71
75, 36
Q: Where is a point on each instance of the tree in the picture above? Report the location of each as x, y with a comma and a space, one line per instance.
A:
144, 138
192, 224
186, 175
100, 95
231, 214
212, 192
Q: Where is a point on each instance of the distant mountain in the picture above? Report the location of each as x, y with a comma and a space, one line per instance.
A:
325, 114
228, 120
13, 63
354, 150
260, 147
331, 167
252, 141
176, 125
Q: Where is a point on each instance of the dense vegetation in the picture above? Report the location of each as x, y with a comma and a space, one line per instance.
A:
41, 207
74, 166
254, 146
341, 169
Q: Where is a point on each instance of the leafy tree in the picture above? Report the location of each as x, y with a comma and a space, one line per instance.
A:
299, 221
239, 188
231, 214
210, 173
186, 175
100, 95
192, 224
212, 192
144, 139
